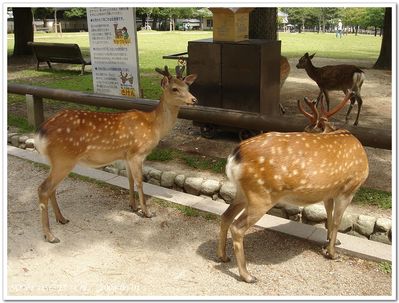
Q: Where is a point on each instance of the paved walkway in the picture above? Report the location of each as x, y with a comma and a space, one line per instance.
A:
350, 245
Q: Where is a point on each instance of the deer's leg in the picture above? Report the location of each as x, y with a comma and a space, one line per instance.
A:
227, 218
57, 212
359, 106
353, 100
319, 98
136, 167
340, 204
327, 99
258, 205
132, 196
46, 191
329, 205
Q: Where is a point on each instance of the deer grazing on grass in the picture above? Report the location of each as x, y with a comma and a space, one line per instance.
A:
97, 139
336, 77
299, 168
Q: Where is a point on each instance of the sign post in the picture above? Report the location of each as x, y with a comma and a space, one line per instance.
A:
113, 49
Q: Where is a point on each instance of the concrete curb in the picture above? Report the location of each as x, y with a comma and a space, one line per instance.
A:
350, 245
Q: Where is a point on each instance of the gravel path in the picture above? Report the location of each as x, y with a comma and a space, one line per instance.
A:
108, 251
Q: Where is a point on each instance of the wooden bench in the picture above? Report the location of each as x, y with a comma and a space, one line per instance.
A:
58, 53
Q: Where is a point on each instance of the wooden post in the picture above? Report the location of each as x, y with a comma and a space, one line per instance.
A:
34, 106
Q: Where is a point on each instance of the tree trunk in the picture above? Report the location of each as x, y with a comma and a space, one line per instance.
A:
23, 30
155, 23
263, 23
384, 61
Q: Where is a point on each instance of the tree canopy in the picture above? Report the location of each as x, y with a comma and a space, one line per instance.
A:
325, 18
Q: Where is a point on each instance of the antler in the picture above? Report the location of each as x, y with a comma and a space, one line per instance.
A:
179, 71
314, 119
164, 72
337, 108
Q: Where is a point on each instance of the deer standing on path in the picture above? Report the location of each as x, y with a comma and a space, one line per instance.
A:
299, 168
336, 77
97, 139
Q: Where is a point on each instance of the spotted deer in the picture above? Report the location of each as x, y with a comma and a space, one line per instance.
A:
347, 78
299, 168
97, 139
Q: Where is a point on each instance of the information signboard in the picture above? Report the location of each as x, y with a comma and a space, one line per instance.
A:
113, 50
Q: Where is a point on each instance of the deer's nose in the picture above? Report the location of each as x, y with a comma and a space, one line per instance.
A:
194, 100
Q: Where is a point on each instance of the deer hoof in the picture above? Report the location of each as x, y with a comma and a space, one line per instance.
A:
51, 239
145, 214
250, 279
134, 208
63, 221
329, 255
224, 259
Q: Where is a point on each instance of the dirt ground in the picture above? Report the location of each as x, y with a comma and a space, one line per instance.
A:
106, 250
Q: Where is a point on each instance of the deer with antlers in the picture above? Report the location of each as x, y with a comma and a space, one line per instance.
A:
299, 168
97, 139
345, 77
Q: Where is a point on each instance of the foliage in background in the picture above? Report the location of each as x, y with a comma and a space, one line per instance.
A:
325, 18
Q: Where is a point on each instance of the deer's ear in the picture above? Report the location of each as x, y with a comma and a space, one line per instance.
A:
311, 56
190, 79
164, 82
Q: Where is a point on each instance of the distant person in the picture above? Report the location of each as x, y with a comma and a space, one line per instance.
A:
336, 31
339, 28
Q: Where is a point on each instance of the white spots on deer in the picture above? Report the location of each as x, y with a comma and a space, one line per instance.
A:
68, 130
261, 182
59, 130
261, 160
277, 177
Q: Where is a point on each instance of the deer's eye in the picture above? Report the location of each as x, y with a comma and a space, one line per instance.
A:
175, 89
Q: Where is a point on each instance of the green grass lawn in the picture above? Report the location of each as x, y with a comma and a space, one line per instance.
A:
153, 45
